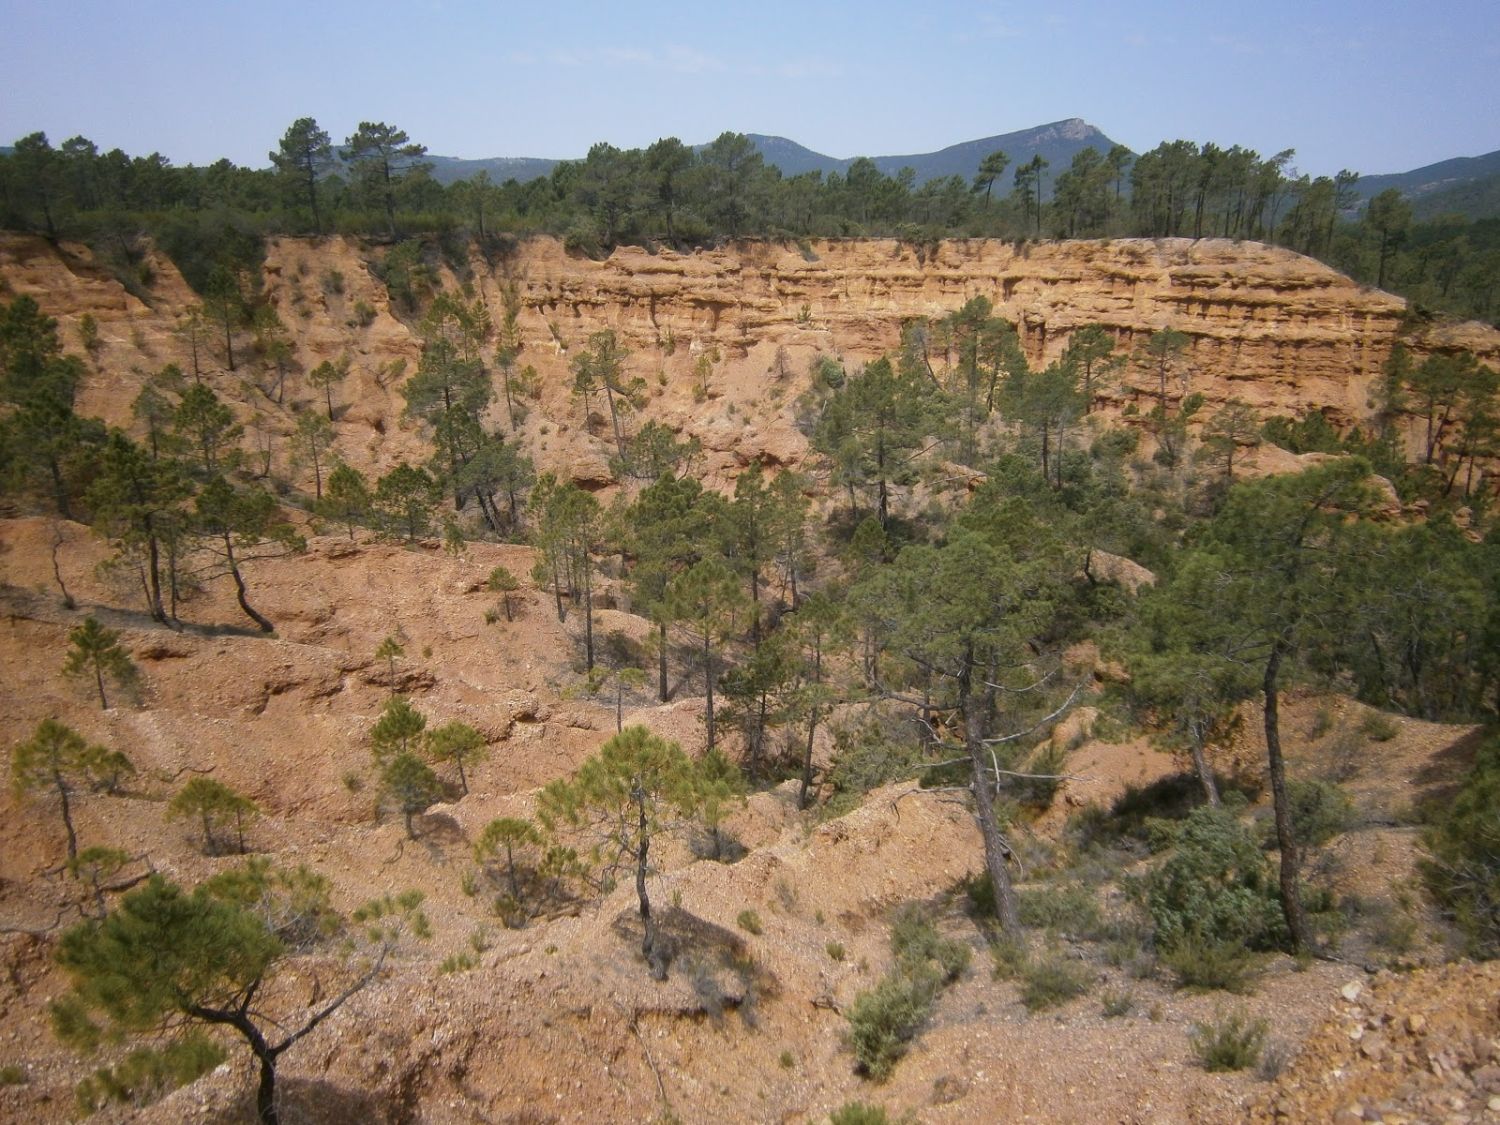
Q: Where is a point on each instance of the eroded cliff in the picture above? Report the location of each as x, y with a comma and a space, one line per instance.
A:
1277, 330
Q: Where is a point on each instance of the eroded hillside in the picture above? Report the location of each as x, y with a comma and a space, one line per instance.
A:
557, 1020
1279, 331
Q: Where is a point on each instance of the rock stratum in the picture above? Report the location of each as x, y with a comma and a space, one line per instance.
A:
1281, 332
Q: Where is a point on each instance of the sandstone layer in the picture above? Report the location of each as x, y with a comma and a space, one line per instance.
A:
1279, 331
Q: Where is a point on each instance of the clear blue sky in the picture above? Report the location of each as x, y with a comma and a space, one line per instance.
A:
1373, 85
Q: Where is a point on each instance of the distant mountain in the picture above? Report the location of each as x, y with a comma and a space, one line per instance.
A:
1461, 184
451, 169
1474, 199
1056, 143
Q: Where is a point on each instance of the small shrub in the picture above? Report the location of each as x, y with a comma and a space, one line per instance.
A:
1322, 723
749, 921
88, 333
787, 1060
1210, 966
1231, 1042
363, 315
1379, 727
1215, 887
1071, 909
1129, 949
1053, 980
1009, 956
858, 1113
1275, 1057
884, 1019
1394, 930
1346, 754
458, 963
12, 1075
353, 781
915, 941
333, 282
1320, 811
1117, 1002
835, 950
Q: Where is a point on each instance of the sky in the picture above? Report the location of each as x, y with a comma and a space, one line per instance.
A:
1370, 85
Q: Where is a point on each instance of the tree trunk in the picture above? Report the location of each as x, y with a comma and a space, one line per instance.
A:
68, 602
510, 867
996, 850
153, 572
67, 815
708, 687
265, 1087
1201, 766
1286, 841
654, 962
807, 759
239, 590
588, 614
99, 681
661, 655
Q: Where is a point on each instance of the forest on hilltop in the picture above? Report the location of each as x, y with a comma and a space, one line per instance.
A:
378, 184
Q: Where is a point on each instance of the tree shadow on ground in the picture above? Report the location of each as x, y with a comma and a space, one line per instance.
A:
716, 962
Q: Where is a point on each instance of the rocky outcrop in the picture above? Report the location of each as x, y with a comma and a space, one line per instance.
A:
1277, 330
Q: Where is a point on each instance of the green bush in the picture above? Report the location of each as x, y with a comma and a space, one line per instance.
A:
1009, 955
1071, 909
1231, 1042
749, 921
1320, 811
1215, 887
1463, 844
915, 941
884, 1019
1117, 1002
858, 1113
1053, 980
1207, 966
1379, 727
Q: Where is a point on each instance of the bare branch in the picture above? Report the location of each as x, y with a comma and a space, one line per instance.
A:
1072, 698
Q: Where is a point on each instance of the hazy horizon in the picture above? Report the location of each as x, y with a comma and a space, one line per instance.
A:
1376, 87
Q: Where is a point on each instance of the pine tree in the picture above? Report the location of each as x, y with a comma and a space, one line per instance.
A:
410, 785
96, 652
215, 806
397, 731
166, 959
56, 759
459, 743
622, 799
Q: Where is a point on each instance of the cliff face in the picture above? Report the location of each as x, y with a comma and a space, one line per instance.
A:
1279, 331
1267, 325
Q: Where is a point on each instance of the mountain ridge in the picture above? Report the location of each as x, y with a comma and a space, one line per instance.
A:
1056, 142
